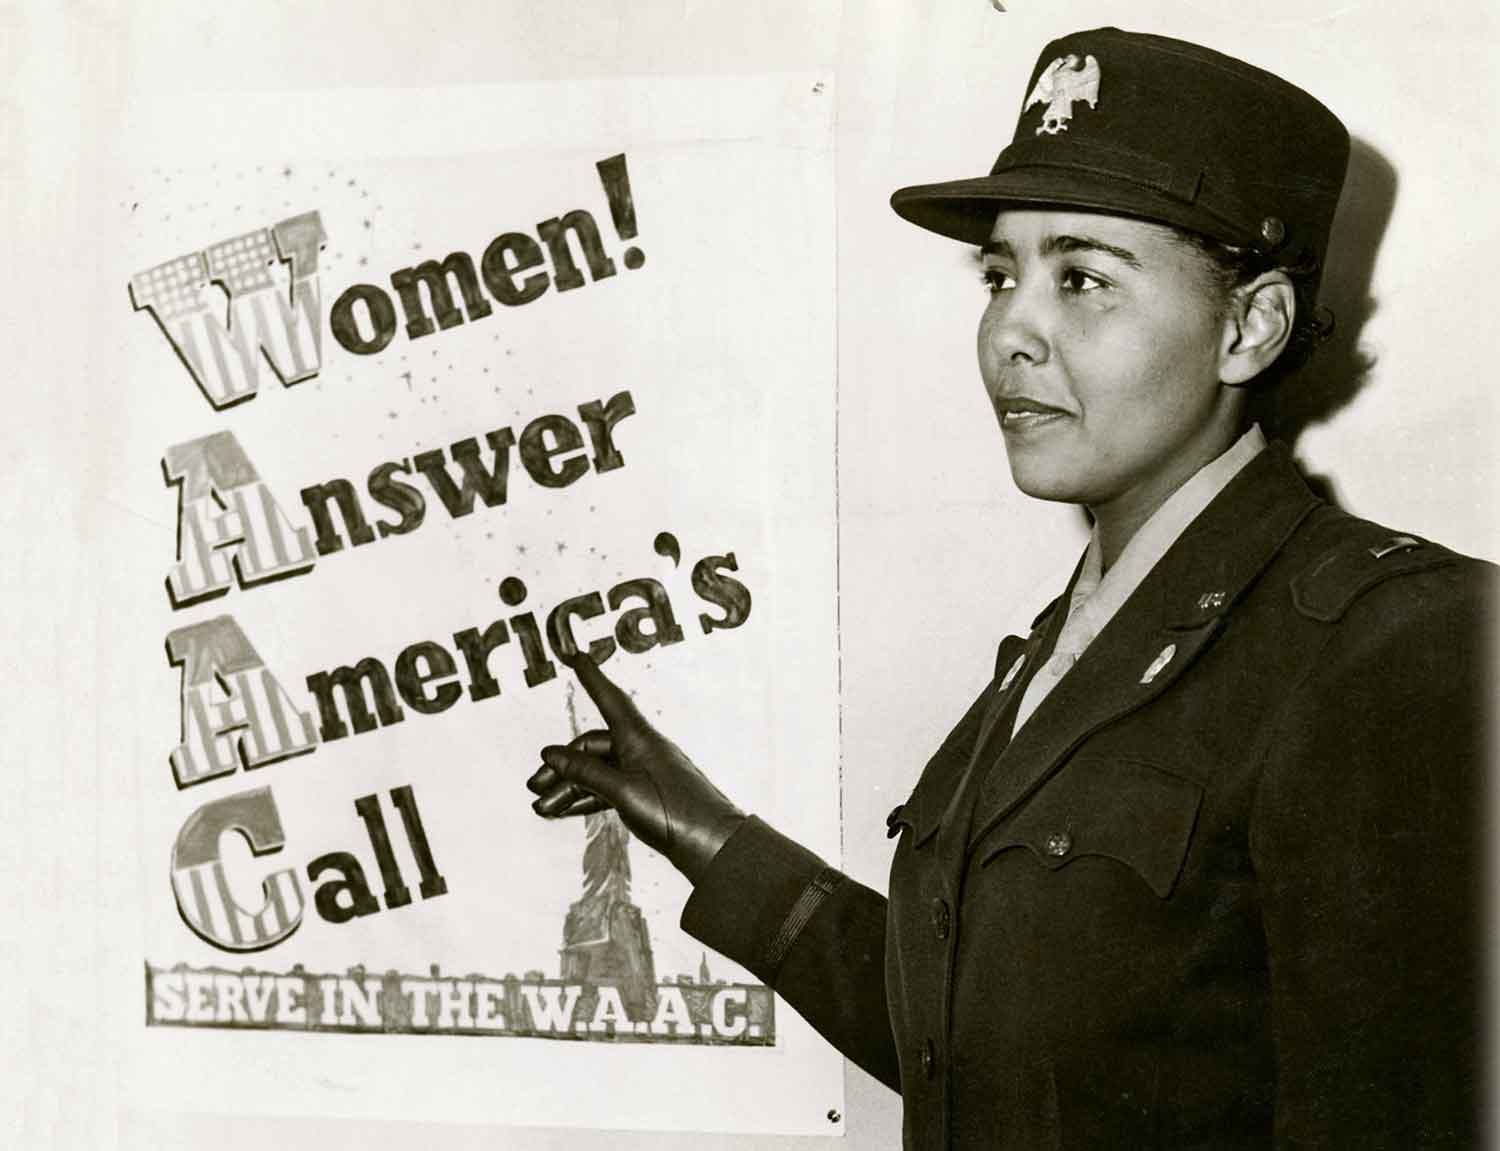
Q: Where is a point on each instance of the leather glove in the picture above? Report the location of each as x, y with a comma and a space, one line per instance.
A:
661, 796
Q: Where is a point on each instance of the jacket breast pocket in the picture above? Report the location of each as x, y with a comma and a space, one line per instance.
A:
1126, 810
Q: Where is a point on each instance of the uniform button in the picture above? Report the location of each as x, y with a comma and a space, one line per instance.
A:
942, 919
928, 1059
1059, 843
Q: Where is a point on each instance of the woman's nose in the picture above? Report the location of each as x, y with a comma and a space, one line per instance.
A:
1012, 329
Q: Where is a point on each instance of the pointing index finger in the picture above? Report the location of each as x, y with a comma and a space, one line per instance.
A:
613, 704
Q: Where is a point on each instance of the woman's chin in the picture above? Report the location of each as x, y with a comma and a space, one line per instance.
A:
1045, 476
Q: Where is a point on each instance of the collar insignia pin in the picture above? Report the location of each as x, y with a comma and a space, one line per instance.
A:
1210, 600
1163, 658
1064, 81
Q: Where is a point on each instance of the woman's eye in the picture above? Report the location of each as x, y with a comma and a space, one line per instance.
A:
1078, 281
996, 280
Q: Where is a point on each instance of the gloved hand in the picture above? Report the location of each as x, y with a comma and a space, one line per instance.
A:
661, 796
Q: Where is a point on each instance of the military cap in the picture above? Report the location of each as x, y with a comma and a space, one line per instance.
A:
1158, 129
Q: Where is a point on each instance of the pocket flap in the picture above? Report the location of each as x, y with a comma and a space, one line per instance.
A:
1126, 810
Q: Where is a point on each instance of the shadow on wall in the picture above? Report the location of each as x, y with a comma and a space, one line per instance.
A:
1339, 369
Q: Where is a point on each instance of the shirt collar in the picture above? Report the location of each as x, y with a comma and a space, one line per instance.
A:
1098, 594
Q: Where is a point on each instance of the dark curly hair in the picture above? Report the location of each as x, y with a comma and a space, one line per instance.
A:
1232, 267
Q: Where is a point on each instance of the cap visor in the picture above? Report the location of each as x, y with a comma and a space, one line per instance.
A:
966, 209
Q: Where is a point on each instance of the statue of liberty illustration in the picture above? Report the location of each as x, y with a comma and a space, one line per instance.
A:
605, 939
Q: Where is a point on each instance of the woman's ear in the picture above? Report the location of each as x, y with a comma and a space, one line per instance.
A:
1257, 325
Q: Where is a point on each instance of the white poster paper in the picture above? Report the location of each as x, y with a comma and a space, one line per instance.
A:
400, 419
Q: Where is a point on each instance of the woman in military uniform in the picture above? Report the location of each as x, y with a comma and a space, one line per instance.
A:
1201, 865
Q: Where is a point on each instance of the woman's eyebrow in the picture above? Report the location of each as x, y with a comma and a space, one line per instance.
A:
997, 248
1064, 244
1054, 245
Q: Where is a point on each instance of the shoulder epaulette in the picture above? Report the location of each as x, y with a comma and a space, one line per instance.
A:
1367, 555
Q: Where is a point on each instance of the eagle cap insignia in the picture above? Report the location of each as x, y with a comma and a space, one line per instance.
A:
1062, 82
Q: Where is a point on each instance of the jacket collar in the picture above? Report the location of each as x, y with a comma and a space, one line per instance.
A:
1166, 624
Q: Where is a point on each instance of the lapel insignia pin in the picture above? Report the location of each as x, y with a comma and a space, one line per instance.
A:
1064, 81
1163, 658
1395, 544
1210, 600
1010, 676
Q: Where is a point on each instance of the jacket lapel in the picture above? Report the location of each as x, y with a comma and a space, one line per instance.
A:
942, 779
1000, 718
1157, 634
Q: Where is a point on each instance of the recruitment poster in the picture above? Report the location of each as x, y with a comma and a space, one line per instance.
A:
401, 423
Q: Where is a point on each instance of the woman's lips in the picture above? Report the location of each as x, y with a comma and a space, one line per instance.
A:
1021, 413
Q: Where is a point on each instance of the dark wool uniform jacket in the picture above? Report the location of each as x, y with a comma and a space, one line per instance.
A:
1222, 890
